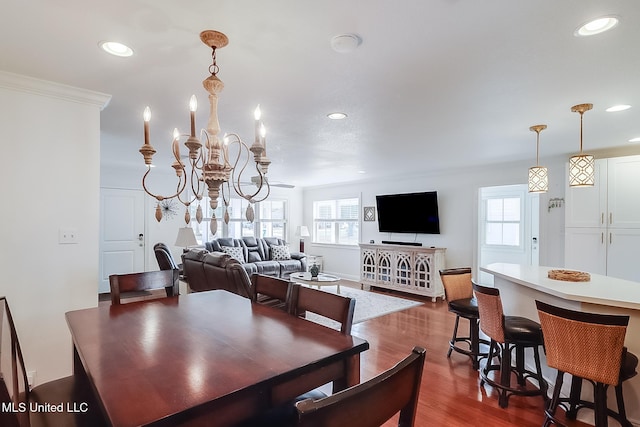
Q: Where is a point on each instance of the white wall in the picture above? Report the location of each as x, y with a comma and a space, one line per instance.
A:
457, 200
50, 142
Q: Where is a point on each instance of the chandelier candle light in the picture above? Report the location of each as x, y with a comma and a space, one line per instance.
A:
538, 177
211, 164
581, 166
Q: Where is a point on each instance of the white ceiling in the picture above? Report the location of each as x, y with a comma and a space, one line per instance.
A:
434, 84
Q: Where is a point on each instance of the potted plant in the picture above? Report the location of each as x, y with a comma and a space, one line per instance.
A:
314, 270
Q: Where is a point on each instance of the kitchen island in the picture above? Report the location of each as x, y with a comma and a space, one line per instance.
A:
521, 285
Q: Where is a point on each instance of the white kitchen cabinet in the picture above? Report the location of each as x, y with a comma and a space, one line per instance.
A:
602, 223
623, 192
585, 249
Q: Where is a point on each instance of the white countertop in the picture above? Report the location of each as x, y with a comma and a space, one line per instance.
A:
600, 290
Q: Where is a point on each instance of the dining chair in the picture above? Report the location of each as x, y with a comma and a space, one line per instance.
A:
332, 306
271, 291
145, 281
508, 334
17, 399
371, 403
458, 291
590, 347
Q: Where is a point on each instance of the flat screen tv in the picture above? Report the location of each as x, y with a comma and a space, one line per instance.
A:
408, 213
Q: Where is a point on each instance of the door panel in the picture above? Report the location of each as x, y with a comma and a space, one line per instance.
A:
121, 233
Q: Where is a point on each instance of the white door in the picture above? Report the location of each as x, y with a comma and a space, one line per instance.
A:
508, 226
121, 233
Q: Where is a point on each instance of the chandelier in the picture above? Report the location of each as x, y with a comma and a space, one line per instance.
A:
217, 163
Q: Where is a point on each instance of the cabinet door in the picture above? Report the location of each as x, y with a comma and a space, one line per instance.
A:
622, 253
586, 206
585, 249
624, 192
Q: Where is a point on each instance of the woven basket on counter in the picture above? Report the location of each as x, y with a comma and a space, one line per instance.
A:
569, 275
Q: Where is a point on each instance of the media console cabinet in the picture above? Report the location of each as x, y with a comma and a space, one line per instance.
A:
411, 269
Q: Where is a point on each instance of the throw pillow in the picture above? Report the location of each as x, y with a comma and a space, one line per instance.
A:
280, 253
234, 251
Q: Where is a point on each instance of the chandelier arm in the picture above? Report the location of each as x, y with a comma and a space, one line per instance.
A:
236, 185
155, 196
263, 181
266, 195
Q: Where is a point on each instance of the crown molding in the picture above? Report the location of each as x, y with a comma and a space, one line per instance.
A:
22, 83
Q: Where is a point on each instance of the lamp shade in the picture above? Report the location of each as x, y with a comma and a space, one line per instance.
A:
186, 237
538, 179
582, 171
303, 231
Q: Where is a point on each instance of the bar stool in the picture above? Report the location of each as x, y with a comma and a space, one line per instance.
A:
458, 291
508, 333
590, 347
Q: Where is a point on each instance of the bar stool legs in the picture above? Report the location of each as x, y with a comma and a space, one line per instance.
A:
502, 351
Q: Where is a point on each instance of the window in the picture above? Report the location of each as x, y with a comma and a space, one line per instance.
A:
270, 220
502, 223
336, 221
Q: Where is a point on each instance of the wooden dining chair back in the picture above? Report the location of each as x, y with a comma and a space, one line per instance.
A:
271, 291
372, 403
145, 281
17, 398
14, 388
588, 346
332, 306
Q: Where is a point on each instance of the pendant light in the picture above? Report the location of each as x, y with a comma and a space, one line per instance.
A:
581, 166
538, 177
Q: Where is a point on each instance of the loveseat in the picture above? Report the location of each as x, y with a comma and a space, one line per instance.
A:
267, 255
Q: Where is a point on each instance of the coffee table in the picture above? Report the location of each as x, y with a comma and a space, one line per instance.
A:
320, 281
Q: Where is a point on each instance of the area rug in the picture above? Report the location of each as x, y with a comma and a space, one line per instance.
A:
368, 305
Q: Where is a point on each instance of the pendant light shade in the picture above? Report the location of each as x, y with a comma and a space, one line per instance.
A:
538, 176
581, 166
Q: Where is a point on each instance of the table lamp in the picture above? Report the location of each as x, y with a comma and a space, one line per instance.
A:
186, 237
303, 231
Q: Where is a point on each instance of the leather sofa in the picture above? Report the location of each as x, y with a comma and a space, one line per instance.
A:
267, 255
207, 271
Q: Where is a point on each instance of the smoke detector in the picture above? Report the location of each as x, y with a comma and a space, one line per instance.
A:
345, 43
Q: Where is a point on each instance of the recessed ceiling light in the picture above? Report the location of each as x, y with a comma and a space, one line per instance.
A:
362, 172
345, 43
115, 48
596, 26
337, 116
615, 108
635, 139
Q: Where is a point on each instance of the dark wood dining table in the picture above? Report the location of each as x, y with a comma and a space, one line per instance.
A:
204, 359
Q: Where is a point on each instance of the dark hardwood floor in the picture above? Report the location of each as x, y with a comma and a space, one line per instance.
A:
450, 394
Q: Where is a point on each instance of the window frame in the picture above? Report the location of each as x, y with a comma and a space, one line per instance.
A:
336, 221
520, 221
223, 229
